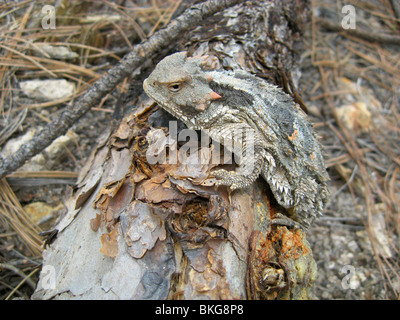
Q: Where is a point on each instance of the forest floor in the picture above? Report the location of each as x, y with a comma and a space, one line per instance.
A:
354, 82
350, 84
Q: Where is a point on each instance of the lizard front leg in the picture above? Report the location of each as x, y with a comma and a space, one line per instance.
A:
248, 150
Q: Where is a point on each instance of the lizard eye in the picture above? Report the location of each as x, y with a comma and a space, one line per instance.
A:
175, 87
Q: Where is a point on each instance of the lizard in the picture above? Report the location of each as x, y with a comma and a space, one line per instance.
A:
241, 107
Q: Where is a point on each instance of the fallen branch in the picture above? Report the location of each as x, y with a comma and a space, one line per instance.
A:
161, 39
365, 35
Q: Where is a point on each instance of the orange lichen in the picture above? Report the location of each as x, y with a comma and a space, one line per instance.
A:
280, 244
294, 135
292, 244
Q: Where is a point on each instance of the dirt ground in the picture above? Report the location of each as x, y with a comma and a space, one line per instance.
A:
350, 85
345, 83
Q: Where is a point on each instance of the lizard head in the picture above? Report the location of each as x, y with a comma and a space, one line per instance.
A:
180, 86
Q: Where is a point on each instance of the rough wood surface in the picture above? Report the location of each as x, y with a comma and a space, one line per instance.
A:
136, 230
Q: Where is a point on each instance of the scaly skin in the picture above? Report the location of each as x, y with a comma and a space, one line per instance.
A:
236, 108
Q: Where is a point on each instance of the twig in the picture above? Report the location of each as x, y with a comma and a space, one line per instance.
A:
369, 36
27, 280
18, 272
161, 39
12, 126
37, 178
12, 213
37, 64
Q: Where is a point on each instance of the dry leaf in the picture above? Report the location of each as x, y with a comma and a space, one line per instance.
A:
356, 117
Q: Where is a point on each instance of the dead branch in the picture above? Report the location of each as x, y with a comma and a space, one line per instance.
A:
365, 35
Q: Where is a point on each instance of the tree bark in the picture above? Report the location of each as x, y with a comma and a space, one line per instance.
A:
136, 230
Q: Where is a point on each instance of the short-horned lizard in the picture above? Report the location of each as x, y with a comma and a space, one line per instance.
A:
229, 105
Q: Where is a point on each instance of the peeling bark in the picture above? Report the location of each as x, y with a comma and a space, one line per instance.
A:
137, 230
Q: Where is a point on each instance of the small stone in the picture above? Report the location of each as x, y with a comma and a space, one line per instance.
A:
56, 52
47, 90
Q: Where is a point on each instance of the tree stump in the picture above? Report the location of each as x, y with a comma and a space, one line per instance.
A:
141, 230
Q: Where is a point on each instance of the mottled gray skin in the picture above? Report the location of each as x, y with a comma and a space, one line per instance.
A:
226, 104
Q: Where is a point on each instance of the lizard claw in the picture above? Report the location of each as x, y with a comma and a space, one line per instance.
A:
283, 220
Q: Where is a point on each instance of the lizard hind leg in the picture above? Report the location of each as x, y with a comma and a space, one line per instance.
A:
291, 199
308, 203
